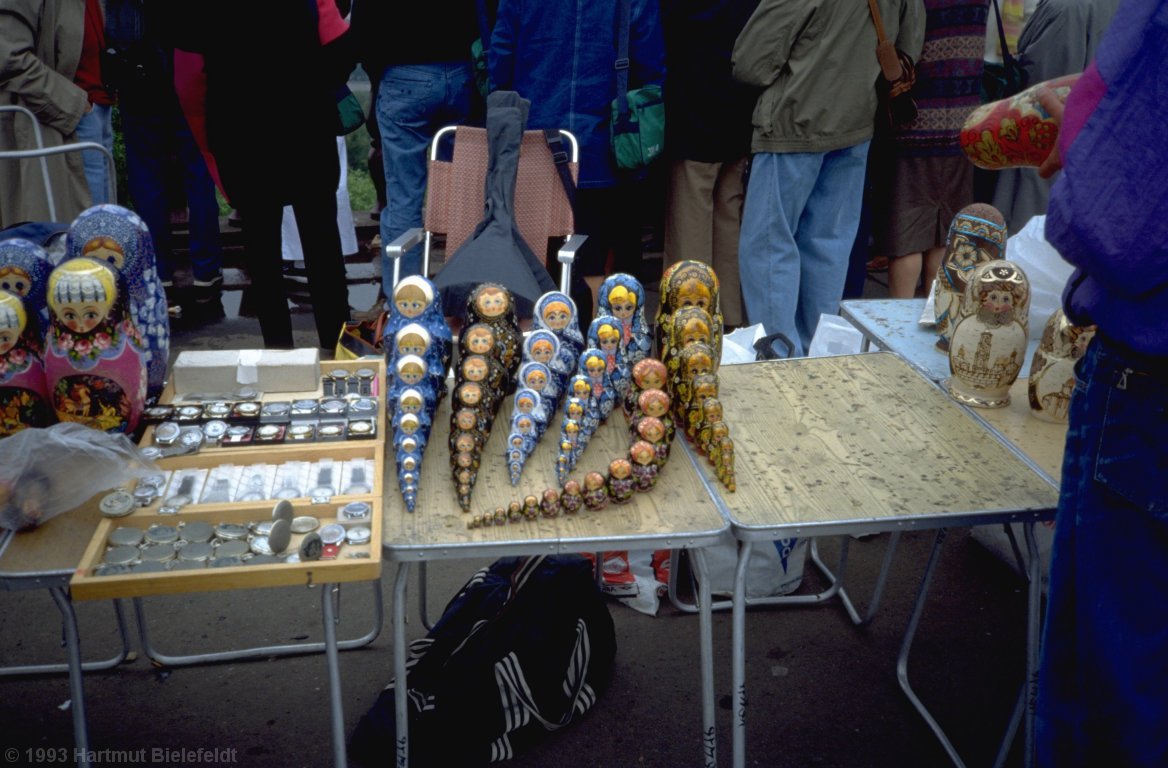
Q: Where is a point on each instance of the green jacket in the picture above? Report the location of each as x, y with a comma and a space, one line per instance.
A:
816, 61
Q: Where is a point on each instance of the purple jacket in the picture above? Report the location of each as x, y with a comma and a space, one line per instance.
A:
1108, 211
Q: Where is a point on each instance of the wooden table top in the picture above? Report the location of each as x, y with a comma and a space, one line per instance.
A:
56, 546
1041, 441
863, 444
678, 512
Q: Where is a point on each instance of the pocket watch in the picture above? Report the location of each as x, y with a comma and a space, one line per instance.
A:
332, 533
157, 553
161, 534
230, 532
359, 534
199, 552
167, 433
116, 504
196, 532
305, 524
214, 430
219, 410
125, 537
356, 510
234, 548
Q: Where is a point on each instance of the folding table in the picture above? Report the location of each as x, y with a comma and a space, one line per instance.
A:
678, 512
855, 445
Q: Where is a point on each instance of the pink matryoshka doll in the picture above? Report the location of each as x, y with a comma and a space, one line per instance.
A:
24, 396
95, 358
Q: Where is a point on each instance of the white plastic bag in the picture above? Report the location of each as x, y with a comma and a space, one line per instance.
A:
773, 570
1045, 269
738, 347
44, 472
835, 336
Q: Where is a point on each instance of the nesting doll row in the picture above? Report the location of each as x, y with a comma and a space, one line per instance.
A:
86, 340
490, 348
689, 342
543, 377
417, 344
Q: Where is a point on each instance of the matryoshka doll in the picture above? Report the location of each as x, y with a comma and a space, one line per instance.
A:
414, 339
409, 470
705, 386
595, 491
536, 377
1052, 369
543, 346
652, 430
988, 346
623, 297
411, 372
494, 305
649, 373
643, 460
549, 504
594, 365
24, 270
555, 311
689, 325
688, 284
415, 300
977, 235
411, 402
520, 443
604, 333
653, 403
572, 498
711, 415
119, 237
572, 438
693, 361
487, 372
620, 482
529, 401
24, 394
95, 359
725, 464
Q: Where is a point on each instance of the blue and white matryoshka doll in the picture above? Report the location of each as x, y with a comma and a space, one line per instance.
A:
24, 270
538, 377
604, 333
623, 297
543, 346
415, 339
95, 358
415, 300
594, 365
555, 311
24, 395
119, 237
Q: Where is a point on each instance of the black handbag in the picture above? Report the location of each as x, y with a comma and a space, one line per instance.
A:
897, 77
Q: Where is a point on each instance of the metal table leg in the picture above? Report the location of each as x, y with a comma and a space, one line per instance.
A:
738, 654
401, 685
263, 652
877, 591
1033, 639
329, 619
86, 666
76, 691
706, 628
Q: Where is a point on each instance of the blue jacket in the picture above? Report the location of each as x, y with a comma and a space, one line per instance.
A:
560, 55
1107, 209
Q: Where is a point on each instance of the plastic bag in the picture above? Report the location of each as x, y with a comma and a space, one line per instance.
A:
835, 336
44, 472
1045, 269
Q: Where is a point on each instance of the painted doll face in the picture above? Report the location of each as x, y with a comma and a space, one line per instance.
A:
465, 419
82, 316
998, 300
411, 344
712, 410
464, 460
719, 430
411, 404
479, 340
609, 340
705, 389
595, 368
642, 452
410, 300
575, 410
474, 368
411, 373
593, 481
653, 402
571, 428
698, 363
15, 280
649, 374
535, 380
556, 315
581, 388
542, 351
491, 302
624, 307
525, 404
464, 443
693, 330
693, 293
572, 488
620, 468
525, 425
470, 393
105, 249
651, 429
409, 424
8, 338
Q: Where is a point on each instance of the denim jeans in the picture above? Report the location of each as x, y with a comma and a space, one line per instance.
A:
413, 102
798, 226
1103, 678
161, 153
96, 125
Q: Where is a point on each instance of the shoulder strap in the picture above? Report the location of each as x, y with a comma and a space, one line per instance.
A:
555, 143
886, 54
622, 58
877, 21
1007, 57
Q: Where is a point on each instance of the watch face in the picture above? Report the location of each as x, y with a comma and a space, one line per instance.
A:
365, 373
161, 534
213, 430
237, 435
270, 433
166, 433
156, 413
262, 528
300, 432
197, 551
356, 510
246, 410
159, 553
125, 537
276, 410
358, 535
116, 504
230, 531
145, 495
192, 438
234, 548
332, 533
305, 524
197, 531
304, 407
330, 431
217, 410
188, 413
360, 428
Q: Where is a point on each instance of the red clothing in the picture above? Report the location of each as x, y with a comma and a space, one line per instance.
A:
88, 76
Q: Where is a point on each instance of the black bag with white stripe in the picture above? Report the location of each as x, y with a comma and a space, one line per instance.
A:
526, 645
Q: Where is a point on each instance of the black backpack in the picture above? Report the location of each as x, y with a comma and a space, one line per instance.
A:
525, 646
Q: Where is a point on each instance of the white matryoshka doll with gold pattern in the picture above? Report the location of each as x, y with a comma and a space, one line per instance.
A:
95, 358
24, 396
988, 347
1052, 369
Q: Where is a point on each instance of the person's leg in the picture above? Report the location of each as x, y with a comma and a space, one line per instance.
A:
146, 135
412, 103
316, 219
203, 207
261, 241
1104, 662
626, 212
729, 194
826, 232
689, 211
904, 273
932, 263
96, 126
768, 257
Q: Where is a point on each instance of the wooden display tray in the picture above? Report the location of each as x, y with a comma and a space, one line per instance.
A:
86, 586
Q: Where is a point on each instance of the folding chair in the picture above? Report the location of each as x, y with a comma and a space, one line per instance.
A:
454, 197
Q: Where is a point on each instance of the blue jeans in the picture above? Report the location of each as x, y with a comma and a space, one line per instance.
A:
413, 102
96, 125
1103, 678
798, 226
161, 153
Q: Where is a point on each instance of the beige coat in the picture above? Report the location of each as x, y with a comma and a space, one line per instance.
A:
40, 44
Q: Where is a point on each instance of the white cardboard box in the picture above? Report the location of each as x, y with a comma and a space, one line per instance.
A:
267, 370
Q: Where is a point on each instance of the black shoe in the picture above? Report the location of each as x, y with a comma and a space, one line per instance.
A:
206, 305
